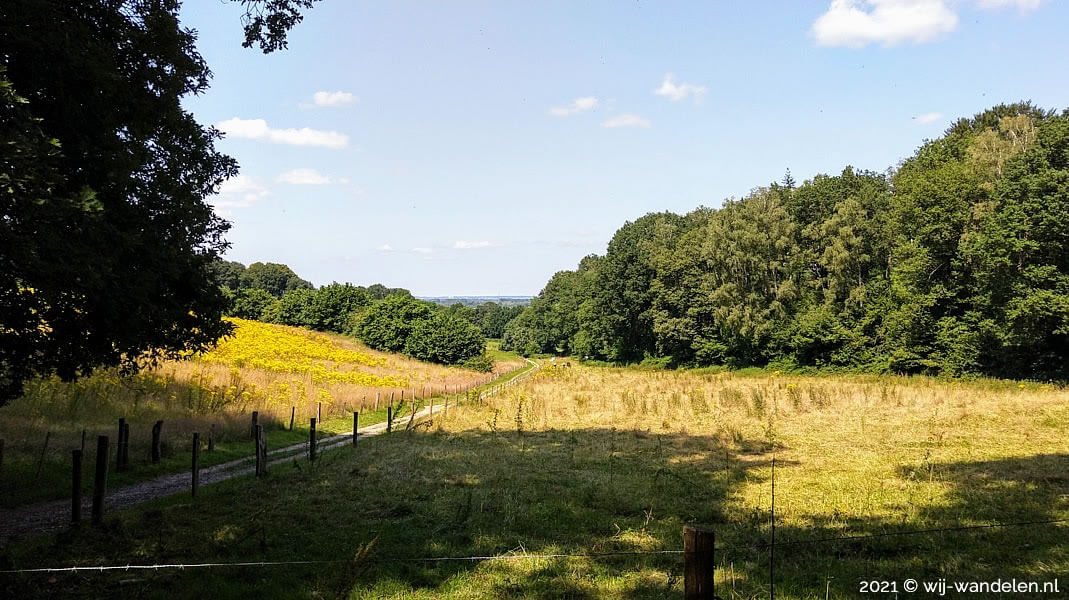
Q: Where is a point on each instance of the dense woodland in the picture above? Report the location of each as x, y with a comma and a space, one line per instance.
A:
385, 318
956, 262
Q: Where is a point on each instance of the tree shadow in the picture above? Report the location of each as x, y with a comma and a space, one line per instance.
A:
616, 497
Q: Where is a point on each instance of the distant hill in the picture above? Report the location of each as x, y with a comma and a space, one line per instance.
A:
477, 300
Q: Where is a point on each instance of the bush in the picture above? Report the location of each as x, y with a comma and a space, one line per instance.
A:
446, 339
388, 324
482, 363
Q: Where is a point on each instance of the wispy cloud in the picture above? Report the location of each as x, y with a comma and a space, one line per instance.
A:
676, 92
258, 129
626, 120
385, 248
422, 250
308, 177
333, 98
930, 117
1022, 5
240, 191
579, 105
466, 245
857, 23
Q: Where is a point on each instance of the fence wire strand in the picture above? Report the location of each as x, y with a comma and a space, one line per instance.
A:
524, 556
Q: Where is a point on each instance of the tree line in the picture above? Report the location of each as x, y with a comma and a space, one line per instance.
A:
388, 319
956, 262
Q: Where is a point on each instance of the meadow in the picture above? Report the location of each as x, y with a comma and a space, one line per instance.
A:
605, 466
275, 370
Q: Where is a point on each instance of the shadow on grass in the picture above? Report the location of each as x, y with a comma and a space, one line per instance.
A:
413, 495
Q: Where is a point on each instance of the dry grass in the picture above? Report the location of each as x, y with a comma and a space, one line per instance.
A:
582, 461
271, 369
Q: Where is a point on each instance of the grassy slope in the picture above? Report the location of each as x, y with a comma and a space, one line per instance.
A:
193, 396
596, 460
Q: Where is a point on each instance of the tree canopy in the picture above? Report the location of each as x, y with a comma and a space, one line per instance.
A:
106, 239
956, 262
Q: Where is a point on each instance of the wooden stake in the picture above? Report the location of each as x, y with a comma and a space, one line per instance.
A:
312, 440
389, 418
156, 430
76, 486
211, 437
698, 564
41, 457
195, 483
356, 426
100, 479
293, 412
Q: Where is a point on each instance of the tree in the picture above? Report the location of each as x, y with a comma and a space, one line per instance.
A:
332, 304
250, 303
106, 240
387, 324
228, 273
444, 338
276, 279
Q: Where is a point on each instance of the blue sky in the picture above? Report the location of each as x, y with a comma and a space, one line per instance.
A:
475, 148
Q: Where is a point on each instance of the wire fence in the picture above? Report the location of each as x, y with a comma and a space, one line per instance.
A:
525, 555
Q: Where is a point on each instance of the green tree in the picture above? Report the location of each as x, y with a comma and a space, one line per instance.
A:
388, 323
444, 338
250, 303
275, 278
228, 273
107, 241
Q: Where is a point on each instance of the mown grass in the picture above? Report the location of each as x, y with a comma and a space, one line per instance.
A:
582, 461
272, 369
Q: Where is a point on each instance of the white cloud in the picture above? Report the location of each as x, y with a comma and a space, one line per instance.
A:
930, 117
579, 105
626, 120
466, 245
674, 92
258, 129
385, 248
308, 177
1022, 5
240, 191
422, 250
857, 23
333, 98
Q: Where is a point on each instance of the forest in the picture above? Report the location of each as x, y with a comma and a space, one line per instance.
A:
954, 262
388, 319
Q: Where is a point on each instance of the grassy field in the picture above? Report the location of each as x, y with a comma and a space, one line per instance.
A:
271, 369
586, 461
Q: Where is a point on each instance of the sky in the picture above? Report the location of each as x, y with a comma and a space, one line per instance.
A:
476, 148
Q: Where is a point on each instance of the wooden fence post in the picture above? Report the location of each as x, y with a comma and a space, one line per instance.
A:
312, 440
293, 413
255, 421
195, 483
211, 437
356, 426
76, 486
319, 412
100, 479
125, 448
698, 563
83, 442
118, 445
41, 458
156, 430
263, 448
389, 418
259, 451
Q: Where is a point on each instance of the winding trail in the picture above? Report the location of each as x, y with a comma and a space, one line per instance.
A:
45, 517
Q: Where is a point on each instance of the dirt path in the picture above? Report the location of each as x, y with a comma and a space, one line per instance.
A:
45, 517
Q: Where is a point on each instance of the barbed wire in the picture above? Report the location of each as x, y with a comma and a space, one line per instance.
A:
524, 556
